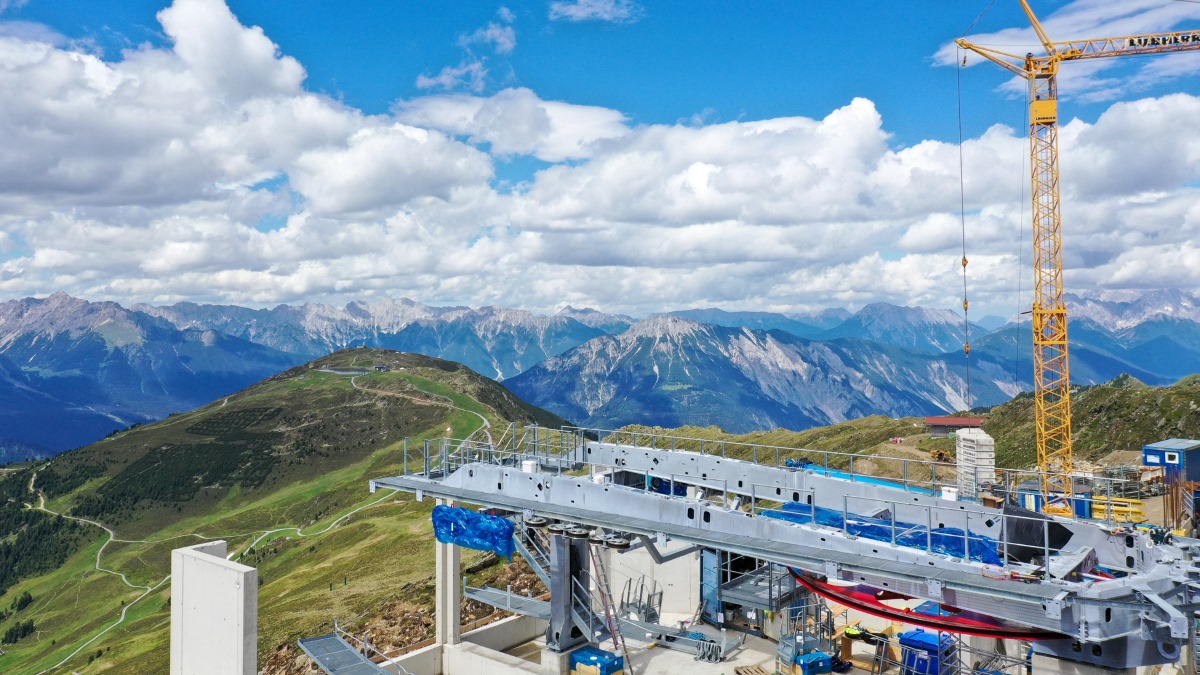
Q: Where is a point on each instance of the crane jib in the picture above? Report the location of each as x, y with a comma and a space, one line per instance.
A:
1163, 40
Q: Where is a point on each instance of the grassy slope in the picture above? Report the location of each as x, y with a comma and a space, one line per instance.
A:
379, 548
1104, 419
861, 436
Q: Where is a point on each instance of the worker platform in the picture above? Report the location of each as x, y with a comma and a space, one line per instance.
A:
336, 656
720, 546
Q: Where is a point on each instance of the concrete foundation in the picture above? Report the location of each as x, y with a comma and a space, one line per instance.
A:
424, 661
467, 658
214, 612
555, 663
479, 651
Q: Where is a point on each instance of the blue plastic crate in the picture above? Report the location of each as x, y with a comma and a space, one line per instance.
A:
927, 653
608, 662
815, 663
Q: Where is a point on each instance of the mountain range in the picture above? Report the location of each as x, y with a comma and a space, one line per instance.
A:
492, 341
72, 370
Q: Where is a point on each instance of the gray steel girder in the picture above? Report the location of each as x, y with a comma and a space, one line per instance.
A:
1073, 609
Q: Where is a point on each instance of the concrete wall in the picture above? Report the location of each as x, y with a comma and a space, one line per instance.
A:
214, 612
484, 651
507, 633
426, 661
466, 658
679, 579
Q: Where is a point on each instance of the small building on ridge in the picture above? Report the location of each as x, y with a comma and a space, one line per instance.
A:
940, 427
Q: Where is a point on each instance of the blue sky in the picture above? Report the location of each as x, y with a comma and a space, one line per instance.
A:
679, 59
630, 156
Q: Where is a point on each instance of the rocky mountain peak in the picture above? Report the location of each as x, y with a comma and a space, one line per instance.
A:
660, 326
62, 313
1120, 310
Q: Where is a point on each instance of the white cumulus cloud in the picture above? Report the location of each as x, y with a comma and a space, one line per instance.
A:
516, 121
612, 11
468, 74
501, 36
212, 174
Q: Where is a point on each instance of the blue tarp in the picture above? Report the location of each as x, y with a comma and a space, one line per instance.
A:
945, 540
470, 529
664, 486
857, 478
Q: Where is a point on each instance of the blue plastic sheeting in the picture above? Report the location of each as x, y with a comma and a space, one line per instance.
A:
945, 540
469, 529
665, 486
834, 473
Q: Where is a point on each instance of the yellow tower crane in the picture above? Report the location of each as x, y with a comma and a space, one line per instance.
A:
1052, 393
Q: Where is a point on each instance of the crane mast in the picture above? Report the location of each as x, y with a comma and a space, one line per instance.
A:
1052, 381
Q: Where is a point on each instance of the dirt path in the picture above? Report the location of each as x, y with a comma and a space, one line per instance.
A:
486, 428
147, 590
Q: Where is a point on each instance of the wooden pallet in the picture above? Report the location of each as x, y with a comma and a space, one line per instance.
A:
750, 670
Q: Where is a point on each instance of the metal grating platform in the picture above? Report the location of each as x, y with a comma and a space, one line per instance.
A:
770, 588
337, 657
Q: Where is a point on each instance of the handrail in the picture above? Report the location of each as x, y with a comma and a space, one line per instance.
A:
366, 645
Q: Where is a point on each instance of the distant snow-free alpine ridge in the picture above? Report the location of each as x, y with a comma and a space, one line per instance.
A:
72, 370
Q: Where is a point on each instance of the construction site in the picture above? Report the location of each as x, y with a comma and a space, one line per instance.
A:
725, 558
666, 555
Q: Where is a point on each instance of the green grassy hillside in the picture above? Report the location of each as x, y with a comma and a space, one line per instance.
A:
279, 470
1122, 415
862, 435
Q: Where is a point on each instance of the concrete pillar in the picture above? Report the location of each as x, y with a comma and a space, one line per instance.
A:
555, 663
214, 612
1044, 664
447, 607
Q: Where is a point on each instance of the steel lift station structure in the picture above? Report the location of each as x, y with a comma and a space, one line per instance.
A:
1086, 593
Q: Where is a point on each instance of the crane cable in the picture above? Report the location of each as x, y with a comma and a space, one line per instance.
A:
962, 217
962, 208
1021, 237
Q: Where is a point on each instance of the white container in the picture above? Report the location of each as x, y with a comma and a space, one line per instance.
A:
950, 493
529, 465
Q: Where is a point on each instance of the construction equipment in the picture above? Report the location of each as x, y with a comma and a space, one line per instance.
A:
1052, 393
941, 456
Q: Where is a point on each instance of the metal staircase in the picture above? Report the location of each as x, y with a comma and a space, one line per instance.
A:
532, 546
641, 600
533, 550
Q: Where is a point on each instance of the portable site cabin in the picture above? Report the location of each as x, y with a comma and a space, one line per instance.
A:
1176, 456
